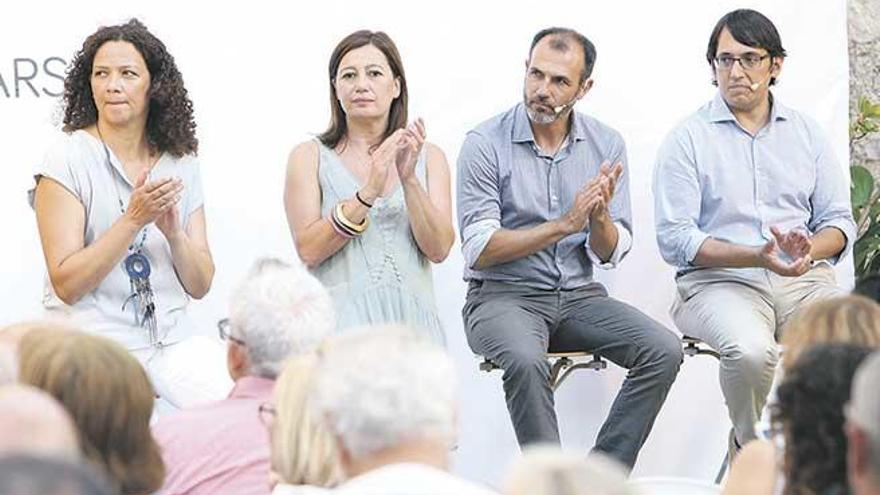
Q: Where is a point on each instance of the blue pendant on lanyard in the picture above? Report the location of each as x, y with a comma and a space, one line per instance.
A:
137, 266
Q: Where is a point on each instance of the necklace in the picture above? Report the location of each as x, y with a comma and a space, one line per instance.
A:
137, 266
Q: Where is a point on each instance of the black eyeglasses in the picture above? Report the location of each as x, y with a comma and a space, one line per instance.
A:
747, 61
267, 414
224, 328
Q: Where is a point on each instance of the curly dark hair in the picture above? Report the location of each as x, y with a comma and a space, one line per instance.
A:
809, 413
170, 124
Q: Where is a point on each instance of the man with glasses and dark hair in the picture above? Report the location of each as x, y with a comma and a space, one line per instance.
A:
543, 200
752, 208
222, 447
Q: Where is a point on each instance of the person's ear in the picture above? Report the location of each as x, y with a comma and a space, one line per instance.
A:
776, 66
396, 87
585, 88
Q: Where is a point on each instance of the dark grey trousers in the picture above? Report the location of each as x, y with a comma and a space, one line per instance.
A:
515, 326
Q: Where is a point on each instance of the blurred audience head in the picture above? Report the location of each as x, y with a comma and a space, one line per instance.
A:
34, 423
388, 396
10, 336
26, 475
547, 470
109, 397
809, 413
863, 428
278, 311
845, 320
869, 287
303, 451
8, 364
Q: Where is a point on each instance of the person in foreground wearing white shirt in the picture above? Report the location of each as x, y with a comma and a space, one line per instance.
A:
389, 398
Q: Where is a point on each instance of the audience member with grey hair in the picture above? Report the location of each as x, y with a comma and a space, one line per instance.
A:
277, 311
547, 470
34, 423
389, 398
863, 429
26, 475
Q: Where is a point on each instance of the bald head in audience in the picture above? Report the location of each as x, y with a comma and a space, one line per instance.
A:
863, 429
34, 475
547, 470
35, 423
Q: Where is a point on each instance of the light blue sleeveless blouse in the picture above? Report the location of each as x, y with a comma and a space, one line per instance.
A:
380, 276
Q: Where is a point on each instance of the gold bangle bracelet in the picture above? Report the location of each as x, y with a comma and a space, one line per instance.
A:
358, 228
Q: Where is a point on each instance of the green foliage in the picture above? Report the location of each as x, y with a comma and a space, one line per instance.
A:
865, 193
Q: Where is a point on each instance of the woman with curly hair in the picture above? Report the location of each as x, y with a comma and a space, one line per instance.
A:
118, 200
368, 201
809, 457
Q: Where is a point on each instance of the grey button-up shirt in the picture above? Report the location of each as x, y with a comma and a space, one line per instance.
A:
712, 178
506, 181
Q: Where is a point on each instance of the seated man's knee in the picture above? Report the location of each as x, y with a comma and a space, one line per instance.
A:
524, 360
665, 353
752, 357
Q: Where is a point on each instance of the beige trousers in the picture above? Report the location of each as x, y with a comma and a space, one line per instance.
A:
739, 312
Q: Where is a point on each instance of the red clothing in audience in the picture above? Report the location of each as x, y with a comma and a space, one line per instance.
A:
221, 447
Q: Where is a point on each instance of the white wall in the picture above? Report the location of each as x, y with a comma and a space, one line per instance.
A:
256, 73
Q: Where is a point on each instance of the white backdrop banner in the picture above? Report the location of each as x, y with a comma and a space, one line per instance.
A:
256, 72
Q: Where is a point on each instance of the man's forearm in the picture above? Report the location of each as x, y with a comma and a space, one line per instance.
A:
507, 245
603, 236
827, 243
722, 254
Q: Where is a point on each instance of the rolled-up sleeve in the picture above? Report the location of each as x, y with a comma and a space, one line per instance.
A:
624, 244
830, 200
677, 200
620, 209
478, 196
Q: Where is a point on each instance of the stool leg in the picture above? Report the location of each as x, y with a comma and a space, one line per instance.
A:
721, 471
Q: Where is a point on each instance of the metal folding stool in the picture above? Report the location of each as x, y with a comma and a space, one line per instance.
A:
562, 365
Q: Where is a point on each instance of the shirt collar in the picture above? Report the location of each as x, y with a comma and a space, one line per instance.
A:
252, 387
720, 112
522, 128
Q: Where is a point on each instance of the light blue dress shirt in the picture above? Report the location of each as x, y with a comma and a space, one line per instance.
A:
714, 179
506, 181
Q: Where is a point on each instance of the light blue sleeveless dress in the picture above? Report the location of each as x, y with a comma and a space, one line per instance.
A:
380, 276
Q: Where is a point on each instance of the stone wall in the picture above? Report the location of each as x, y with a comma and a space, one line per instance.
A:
864, 71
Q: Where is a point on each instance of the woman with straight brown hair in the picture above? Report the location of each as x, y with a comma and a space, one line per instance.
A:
109, 397
368, 202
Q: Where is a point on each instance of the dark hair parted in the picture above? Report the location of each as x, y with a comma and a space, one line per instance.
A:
809, 412
751, 28
559, 41
170, 124
338, 129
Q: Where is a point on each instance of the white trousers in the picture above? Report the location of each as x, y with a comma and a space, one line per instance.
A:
192, 371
